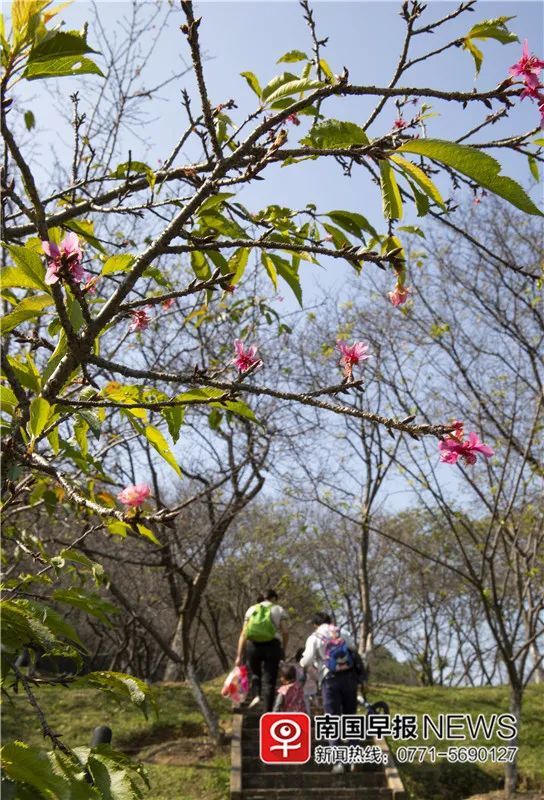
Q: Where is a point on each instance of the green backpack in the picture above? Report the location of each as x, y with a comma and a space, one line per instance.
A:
260, 627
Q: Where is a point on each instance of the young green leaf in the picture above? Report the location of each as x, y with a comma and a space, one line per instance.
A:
335, 133
118, 263
30, 120
292, 57
28, 308
253, 83
391, 199
420, 178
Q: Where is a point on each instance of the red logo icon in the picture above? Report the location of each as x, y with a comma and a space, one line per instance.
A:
285, 738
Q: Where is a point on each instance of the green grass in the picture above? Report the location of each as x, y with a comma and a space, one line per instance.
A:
181, 762
444, 781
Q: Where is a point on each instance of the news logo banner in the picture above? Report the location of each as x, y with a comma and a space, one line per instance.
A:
285, 738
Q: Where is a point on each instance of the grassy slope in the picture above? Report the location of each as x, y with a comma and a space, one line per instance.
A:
443, 781
181, 764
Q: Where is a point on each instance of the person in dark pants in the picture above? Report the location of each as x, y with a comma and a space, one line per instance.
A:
264, 638
329, 650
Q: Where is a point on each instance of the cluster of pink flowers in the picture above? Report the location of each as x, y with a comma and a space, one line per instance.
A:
64, 260
528, 69
400, 123
245, 358
351, 356
455, 446
134, 495
399, 295
140, 319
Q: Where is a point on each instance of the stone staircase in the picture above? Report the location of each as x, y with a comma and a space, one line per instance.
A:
251, 779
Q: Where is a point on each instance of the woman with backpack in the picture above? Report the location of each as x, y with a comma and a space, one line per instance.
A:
332, 652
264, 638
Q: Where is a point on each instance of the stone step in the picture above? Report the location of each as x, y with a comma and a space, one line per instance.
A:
359, 793
253, 764
313, 780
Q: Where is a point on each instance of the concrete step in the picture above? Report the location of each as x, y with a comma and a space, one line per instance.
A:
313, 780
302, 793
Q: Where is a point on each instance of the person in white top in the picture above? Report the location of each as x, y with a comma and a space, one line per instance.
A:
329, 649
264, 639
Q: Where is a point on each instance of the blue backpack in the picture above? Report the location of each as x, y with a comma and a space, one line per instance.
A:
338, 656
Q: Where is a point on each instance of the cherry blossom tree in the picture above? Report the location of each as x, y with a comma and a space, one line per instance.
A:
80, 288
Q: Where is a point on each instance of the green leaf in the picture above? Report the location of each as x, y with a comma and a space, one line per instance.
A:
59, 54
62, 68
270, 269
25, 310
299, 86
475, 164
88, 602
236, 406
131, 168
493, 29
8, 401
44, 776
59, 43
17, 278
292, 57
289, 274
30, 263
173, 416
200, 265
339, 238
533, 166
326, 69
121, 687
159, 443
488, 29
117, 263
276, 82
352, 222
412, 229
253, 82
391, 199
30, 120
215, 201
237, 263
475, 52
332, 133
147, 533
40, 411
420, 178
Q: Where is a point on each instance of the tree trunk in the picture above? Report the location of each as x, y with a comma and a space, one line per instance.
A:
366, 638
539, 669
174, 669
511, 770
202, 702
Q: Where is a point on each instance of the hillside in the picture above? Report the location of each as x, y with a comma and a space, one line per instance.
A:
182, 764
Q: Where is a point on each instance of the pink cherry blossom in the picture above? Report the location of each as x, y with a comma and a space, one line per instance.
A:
134, 495
399, 124
140, 319
64, 260
352, 355
168, 303
453, 448
528, 67
246, 358
399, 295
293, 119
